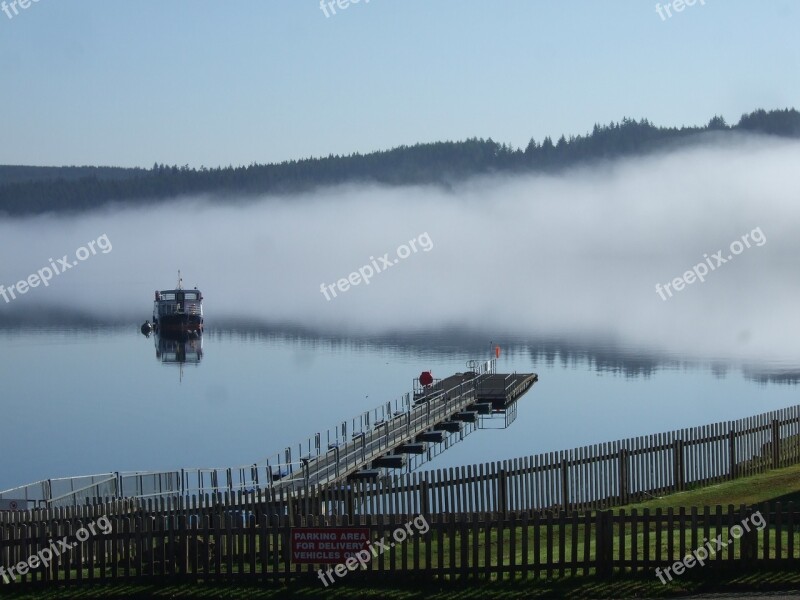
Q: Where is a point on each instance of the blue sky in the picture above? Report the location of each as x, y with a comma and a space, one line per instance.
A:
215, 83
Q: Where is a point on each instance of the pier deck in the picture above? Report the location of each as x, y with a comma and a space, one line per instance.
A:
440, 406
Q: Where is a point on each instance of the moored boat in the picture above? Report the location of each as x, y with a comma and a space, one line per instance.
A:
178, 311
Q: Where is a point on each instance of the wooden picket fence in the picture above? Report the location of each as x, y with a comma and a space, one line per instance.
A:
191, 545
538, 516
595, 477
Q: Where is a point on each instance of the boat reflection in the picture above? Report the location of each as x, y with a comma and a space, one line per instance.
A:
179, 349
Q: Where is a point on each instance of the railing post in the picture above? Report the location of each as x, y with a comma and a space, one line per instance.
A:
732, 452
564, 483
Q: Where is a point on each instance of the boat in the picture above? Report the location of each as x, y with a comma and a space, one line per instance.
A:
178, 311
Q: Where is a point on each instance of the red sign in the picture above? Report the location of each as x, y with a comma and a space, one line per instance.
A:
327, 544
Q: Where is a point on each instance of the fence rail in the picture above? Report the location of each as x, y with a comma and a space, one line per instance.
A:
192, 543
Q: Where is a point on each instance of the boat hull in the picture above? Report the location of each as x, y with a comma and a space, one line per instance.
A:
180, 324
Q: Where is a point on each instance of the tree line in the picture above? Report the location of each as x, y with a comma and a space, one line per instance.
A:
28, 190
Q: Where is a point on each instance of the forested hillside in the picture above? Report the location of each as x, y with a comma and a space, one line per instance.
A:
32, 190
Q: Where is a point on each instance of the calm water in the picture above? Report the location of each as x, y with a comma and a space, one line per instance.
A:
80, 401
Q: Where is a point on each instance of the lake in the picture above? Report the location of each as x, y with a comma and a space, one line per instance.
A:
97, 399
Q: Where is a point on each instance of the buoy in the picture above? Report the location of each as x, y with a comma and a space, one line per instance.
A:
147, 328
425, 378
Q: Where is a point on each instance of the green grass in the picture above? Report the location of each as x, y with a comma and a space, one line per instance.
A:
780, 485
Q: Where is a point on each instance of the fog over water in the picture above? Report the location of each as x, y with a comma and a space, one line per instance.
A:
577, 255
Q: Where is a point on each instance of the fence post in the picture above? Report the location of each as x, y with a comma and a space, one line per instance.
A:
623, 476
776, 443
749, 539
424, 505
502, 492
732, 451
604, 550
677, 465
350, 503
564, 483
287, 565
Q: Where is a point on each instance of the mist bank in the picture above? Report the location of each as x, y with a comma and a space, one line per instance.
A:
570, 256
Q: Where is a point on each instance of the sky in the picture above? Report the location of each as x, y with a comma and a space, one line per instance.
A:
91, 82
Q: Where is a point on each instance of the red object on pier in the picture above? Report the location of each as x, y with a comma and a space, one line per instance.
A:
497, 351
425, 378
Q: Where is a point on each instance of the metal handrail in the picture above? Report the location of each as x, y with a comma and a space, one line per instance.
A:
79, 490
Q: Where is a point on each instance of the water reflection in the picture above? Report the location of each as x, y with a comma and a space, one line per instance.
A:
179, 349
602, 355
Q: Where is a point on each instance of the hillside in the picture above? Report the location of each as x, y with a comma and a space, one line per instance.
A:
35, 190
